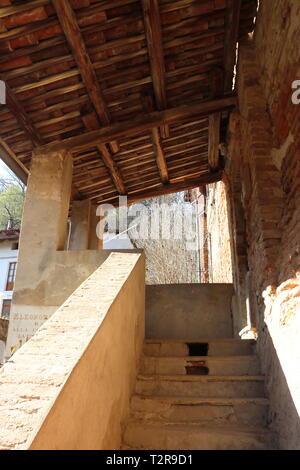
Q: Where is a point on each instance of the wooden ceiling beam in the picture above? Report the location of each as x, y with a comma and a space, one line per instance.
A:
155, 49
214, 120
112, 168
160, 157
68, 21
156, 142
232, 24
17, 110
144, 122
214, 140
7, 155
174, 187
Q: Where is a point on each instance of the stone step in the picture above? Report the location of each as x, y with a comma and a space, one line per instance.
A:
201, 365
201, 386
208, 347
158, 436
247, 411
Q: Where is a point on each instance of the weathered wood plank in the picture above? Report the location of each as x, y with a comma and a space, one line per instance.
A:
27, 29
214, 140
16, 9
232, 23
214, 122
70, 27
147, 121
175, 187
160, 157
32, 49
22, 117
155, 49
113, 169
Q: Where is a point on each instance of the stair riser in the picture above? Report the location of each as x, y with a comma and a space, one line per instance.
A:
154, 410
139, 436
218, 348
233, 389
177, 366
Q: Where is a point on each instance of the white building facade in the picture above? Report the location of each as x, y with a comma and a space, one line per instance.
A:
8, 264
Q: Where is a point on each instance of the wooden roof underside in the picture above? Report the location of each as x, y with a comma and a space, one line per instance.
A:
138, 90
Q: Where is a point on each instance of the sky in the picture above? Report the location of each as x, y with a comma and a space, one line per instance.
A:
4, 170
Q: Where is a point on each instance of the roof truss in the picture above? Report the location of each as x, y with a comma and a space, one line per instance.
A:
137, 90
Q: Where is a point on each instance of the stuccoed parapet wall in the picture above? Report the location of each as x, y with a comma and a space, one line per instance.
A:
35, 303
69, 386
46, 274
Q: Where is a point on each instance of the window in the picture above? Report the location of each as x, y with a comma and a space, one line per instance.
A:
11, 276
6, 309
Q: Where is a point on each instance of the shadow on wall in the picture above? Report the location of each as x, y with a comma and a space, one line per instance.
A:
283, 415
278, 347
2, 349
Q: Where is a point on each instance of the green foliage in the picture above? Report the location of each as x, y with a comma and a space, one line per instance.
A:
11, 205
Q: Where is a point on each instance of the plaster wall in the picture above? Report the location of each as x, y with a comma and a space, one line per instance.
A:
35, 302
189, 311
46, 274
69, 386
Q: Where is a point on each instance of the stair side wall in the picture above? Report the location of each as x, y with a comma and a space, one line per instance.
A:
189, 311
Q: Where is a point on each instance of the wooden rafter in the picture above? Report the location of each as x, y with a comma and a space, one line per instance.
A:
155, 49
165, 50
22, 117
160, 157
113, 168
157, 146
214, 140
146, 121
232, 22
74, 37
174, 187
214, 121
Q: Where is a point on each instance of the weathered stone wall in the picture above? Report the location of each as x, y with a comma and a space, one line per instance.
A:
171, 250
220, 257
198, 197
265, 141
3, 329
69, 386
278, 28
3, 336
214, 233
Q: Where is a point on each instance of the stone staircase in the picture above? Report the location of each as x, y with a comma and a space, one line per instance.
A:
206, 395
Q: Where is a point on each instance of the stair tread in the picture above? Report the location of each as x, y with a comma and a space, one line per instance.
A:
202, 427
201, 400
175, 410
204, 358
201, 378
211, 340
